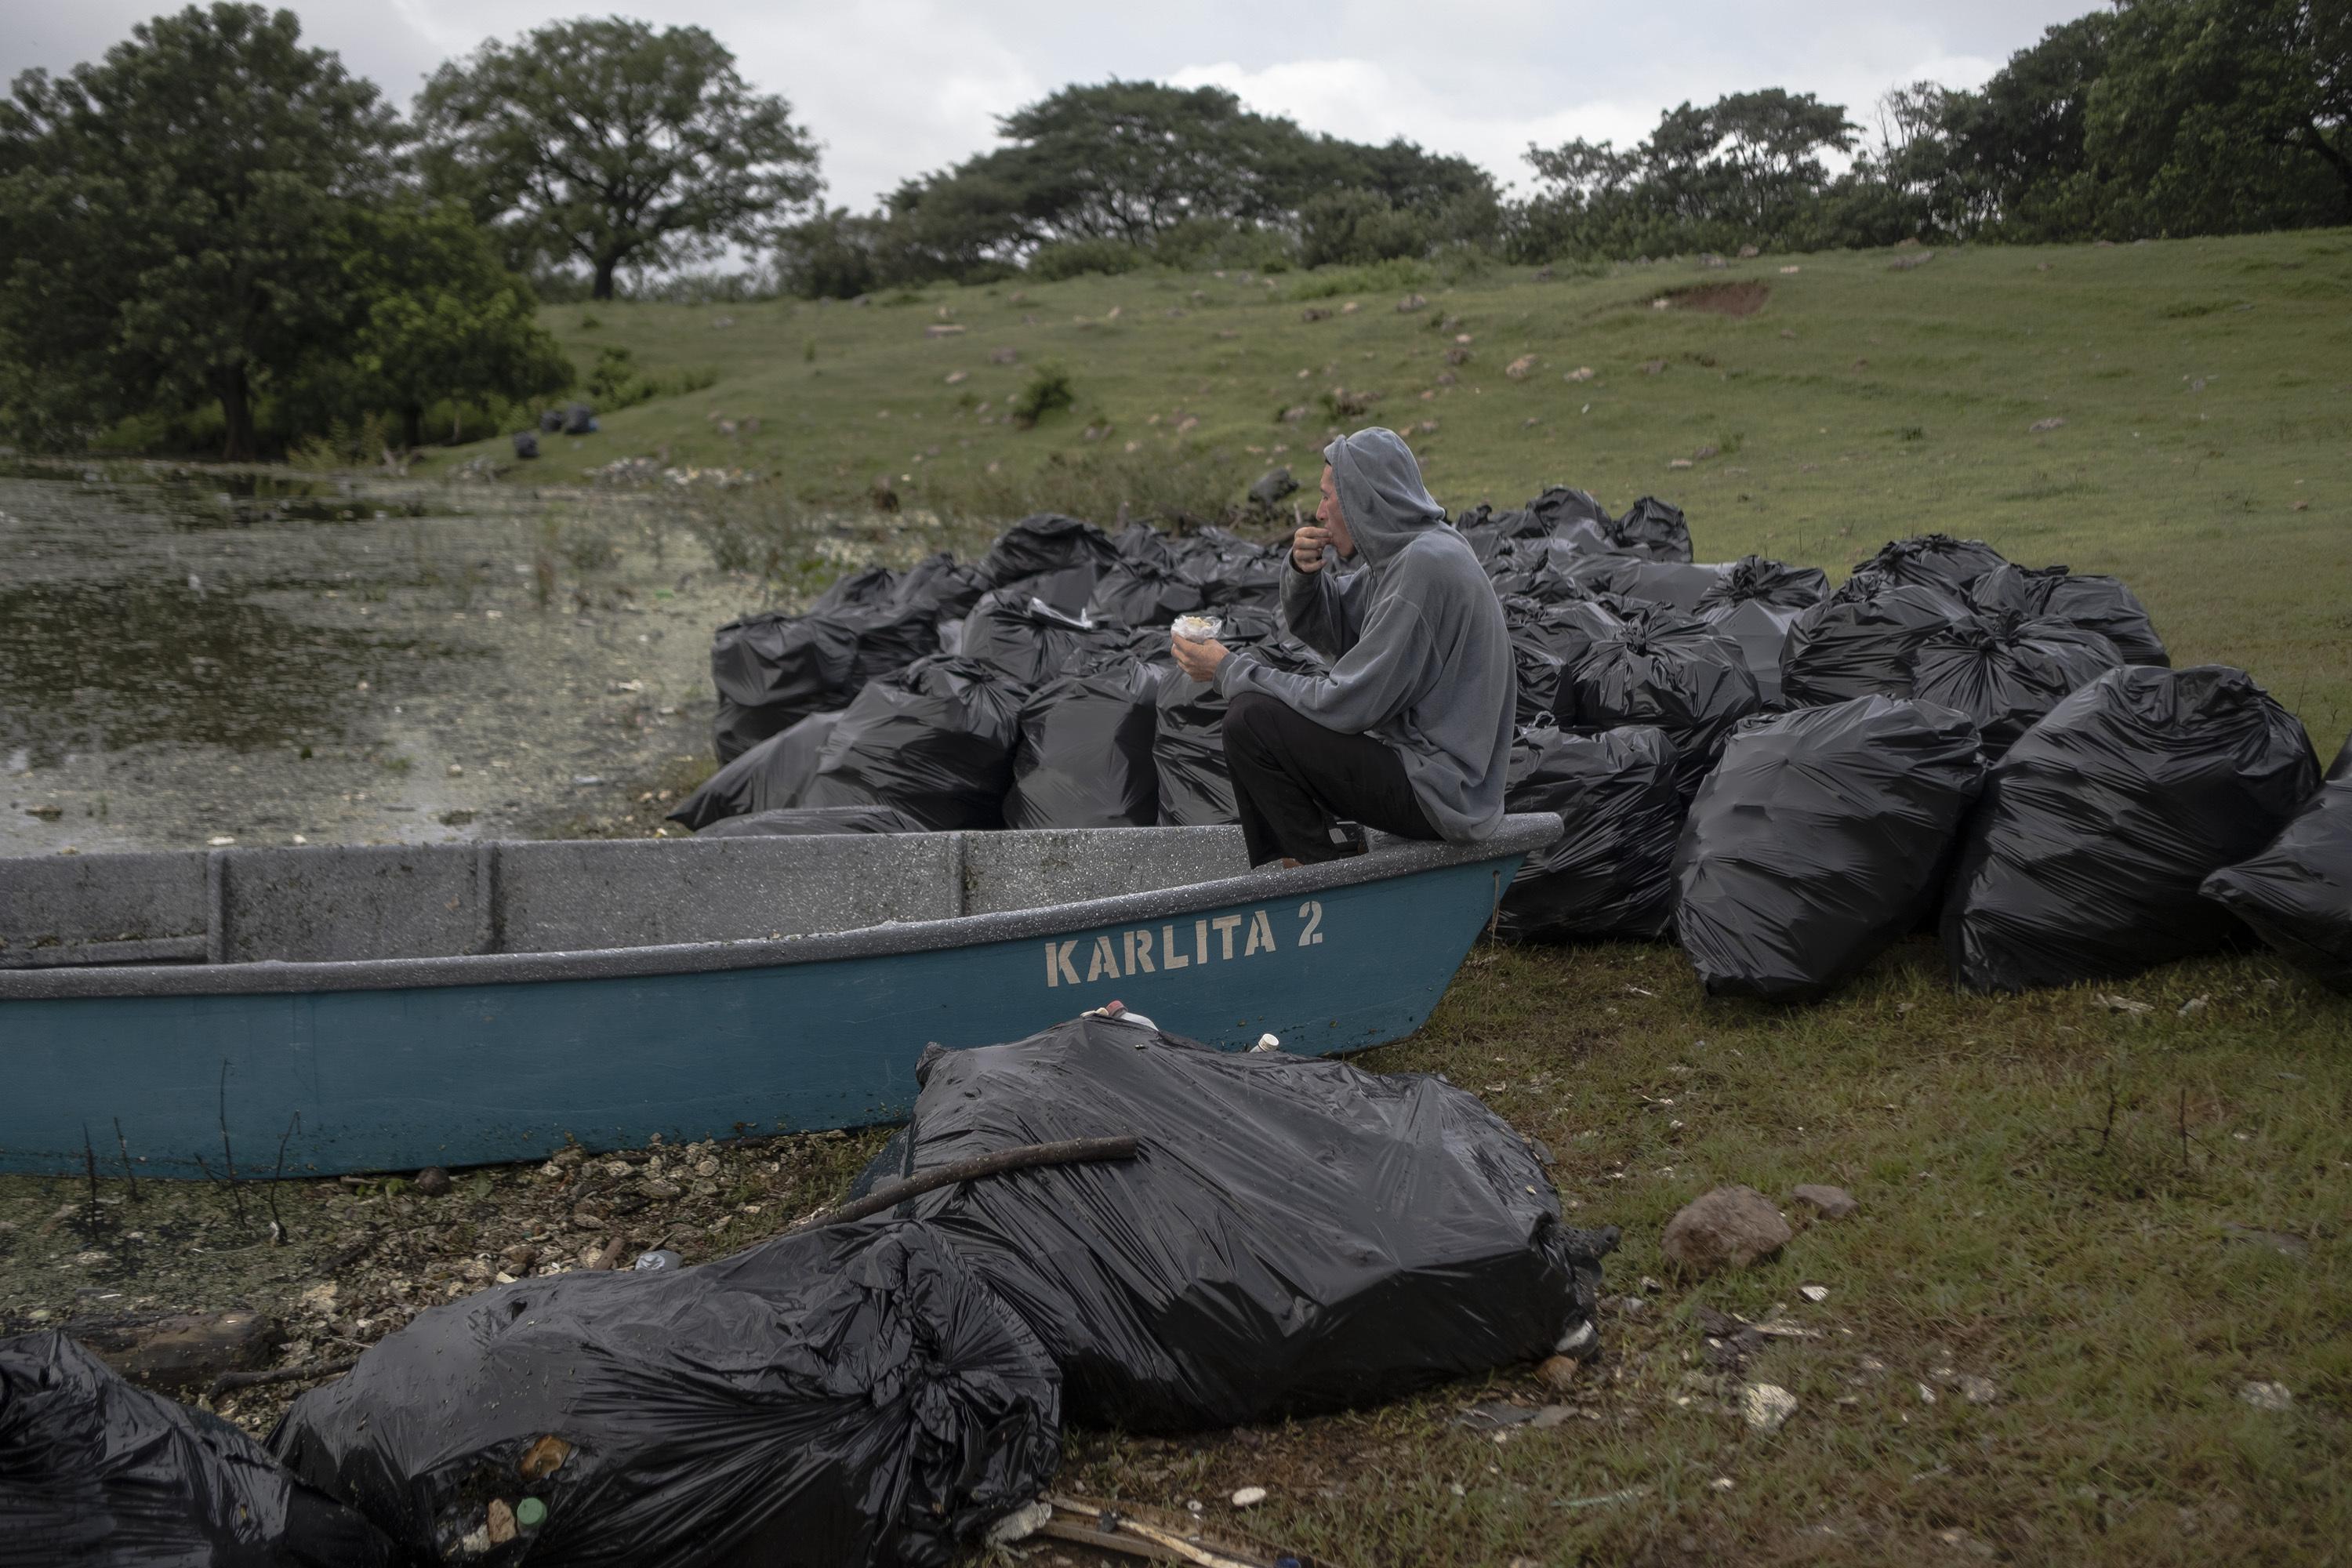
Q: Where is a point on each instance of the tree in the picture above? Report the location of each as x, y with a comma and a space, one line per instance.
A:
607, 141
436, 315
2010, 158
168, 219
2224, 116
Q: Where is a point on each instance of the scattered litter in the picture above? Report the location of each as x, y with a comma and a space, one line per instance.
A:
2267, 1395
1767, 1406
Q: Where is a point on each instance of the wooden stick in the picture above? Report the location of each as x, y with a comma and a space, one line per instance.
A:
229, 1381
1070, 1152
128, 1173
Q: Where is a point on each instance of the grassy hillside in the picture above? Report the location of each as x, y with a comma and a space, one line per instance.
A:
2205, 386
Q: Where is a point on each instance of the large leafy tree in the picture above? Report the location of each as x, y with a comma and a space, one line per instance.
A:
169, 220
617, 146
435, 315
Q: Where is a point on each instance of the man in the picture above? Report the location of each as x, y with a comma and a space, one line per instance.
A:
1409, 731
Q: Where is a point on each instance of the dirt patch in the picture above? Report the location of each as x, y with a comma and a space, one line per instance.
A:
1744, 299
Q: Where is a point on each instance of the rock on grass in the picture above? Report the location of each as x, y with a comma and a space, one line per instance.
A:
1729, 1227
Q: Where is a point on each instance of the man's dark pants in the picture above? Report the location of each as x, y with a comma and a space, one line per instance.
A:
1293, 778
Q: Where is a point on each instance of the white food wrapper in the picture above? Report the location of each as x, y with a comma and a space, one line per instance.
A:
1197, 629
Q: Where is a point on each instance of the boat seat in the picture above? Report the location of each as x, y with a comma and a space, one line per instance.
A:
1031, 869
147, 907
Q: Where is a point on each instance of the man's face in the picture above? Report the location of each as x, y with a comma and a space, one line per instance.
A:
1330, 516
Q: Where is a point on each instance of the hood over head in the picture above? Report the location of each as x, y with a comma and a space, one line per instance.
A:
1381, 491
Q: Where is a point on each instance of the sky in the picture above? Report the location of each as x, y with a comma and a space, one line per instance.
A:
892, 89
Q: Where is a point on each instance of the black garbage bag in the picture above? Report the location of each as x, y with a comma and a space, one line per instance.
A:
875, 585
96, 1472
1142, 594
1229, 569
1492, 533
768, 775
2084, 860
1561, 507
940, 584
1566, 629
1139, 541
579, 419
935, 741
1755, 603
1552, 571
551, 421
1085, 756
773, 671
1935, 560
851, 1395
2101, 605
1659, 666
1611, 872
1538, 692
1754, 580
2005, 672
1298, 1234
1046, 541
1654, 528
1678, 584
1032, 641
2296, 893
526, 444
1861, 641
813, 821
1819, 838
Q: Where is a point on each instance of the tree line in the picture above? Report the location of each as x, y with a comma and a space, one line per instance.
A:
217, 233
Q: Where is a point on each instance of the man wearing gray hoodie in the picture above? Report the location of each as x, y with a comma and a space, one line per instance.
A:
1410, 731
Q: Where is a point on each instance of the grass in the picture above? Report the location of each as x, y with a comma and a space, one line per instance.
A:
2048, 1187
2206, 455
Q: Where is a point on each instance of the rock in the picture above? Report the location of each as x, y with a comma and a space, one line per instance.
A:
1767, 1406
1411, 302
1559, 1371
1829, 1203
1249, 1496
1814, 1292
1272, 487
1654, 367
1581, 373
1906, 263
1314, 313
2284, 1243
706, 1166
1977, 1390
659, 1188
433, 1181
1749, 253
2053, 423
2123, 1005
1004, 356
2194, 1005
1729, 1227
517, 1259
179, 1352
1517, 369
2267, 1395
958, 377
943, 330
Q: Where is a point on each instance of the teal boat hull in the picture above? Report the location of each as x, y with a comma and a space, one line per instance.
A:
356, 1078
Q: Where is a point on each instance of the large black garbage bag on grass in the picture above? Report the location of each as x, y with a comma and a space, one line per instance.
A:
813, 821
1297, 1234
770, 776
1561, 507
2085, 857
890, 636
1043, 542
1084, 754
1566, 630
773, 671
1188, 745
941, 585
875, 586
1677, 584
96, 1472
854, 1395
2005, 672
1552, 571
1935, 560
1861, 640
2296, 893
1611, 872
2101, 605
1654, 528
1140, 593
935, 741
1755, 603
1031, 641
1229, 569
1821, 837
1660, 666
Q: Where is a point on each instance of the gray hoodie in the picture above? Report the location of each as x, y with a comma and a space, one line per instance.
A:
1419, 658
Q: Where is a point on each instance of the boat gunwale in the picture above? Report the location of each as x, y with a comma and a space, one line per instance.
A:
1518, 835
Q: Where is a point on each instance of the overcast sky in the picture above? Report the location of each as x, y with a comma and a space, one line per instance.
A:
895, 88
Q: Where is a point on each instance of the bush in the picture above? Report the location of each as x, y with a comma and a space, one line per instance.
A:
1077, 257
1047, 390
617, 383
1381, 278
1355, 227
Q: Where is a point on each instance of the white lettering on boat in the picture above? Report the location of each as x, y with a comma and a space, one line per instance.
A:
1122, 954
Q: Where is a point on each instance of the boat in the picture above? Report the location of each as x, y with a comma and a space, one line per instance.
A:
309, 1010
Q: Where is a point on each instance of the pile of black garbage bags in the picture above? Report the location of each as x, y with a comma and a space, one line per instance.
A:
1784, 776
1292, 1235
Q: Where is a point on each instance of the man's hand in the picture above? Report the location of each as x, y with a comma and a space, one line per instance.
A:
1198, 660
1309, 547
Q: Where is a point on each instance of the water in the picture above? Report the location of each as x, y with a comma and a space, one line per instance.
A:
188, 655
